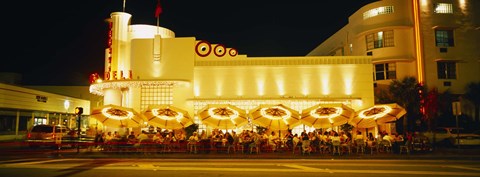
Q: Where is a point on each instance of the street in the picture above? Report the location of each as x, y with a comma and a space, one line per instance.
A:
73, 167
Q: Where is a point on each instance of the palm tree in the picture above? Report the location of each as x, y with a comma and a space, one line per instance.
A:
406, 92
472, 94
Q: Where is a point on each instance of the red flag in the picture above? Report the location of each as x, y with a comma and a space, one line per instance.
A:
158, 10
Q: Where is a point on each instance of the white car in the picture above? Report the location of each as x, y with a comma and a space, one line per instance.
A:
465, 138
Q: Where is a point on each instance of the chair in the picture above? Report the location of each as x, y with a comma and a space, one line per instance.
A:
167, 144
234, 145
306, 149
192, 146
373, 146
360, 145
146, 145
336, 147
405, 147
296, 145
346, 146
386, 145
256, 144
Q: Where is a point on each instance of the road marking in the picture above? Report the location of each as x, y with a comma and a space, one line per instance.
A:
211, 166
40, 162
300, 167
465, 168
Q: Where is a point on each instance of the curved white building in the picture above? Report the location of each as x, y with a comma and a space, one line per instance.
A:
148, 65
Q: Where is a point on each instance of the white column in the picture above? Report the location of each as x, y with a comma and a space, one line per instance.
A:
120, 43
112, 96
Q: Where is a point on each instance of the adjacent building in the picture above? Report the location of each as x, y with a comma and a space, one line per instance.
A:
435, 41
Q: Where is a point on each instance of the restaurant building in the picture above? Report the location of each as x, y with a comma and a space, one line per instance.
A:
148, 65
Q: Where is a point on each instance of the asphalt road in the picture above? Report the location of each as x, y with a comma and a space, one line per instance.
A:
74, 167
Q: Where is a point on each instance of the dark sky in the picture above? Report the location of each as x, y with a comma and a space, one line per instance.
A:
61, 42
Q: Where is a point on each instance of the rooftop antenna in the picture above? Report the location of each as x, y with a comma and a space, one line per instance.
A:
157, 40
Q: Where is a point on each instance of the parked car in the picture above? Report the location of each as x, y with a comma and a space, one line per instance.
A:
465, 138
441, 135
46, 135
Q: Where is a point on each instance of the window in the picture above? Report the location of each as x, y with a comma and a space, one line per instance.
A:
385, 71
377, 11
444, 38
379, 39
443, 8
156, 95
447, 70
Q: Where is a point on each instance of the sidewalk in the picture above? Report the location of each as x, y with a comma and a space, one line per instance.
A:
439, 154
18, 150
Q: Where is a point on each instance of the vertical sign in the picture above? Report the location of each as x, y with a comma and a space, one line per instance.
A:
456, 108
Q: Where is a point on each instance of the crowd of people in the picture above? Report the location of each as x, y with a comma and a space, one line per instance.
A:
249, 141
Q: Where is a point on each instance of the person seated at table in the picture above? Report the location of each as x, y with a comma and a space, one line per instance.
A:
359, 136
370, 137
247, 139
158, 138
203, 135
192, 142
272, 141
141, 137
388, 137
228, 139
305, 142
131, 138
289, 139
108, 137
398, 137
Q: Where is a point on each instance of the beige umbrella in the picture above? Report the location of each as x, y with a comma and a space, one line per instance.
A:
378, 115
223, 116
275, 117
117, 116
327, 115
167, 117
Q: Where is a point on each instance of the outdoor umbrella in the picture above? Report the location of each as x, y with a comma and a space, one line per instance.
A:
378, 115
223, 116
117, 116
275, 117
327, 115
167, 117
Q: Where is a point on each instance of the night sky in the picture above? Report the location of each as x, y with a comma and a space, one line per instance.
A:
61, 42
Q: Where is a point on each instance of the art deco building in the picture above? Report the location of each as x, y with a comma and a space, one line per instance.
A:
435, 41
147, 65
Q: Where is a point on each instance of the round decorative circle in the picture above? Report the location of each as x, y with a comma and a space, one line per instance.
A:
219, 50
203, 48
233, 52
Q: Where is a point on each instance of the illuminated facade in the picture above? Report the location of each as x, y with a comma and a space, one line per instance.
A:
147, 65
432, 40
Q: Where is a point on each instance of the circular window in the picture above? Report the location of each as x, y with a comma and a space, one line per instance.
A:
203, 48
219, 50
233, 52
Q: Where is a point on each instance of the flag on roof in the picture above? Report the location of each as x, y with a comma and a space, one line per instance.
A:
158, 10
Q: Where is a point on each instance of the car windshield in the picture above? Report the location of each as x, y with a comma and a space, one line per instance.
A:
45, 129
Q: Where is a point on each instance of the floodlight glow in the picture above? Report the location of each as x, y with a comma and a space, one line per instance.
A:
223, 113
260, 87
163, 114
275, 112
375, 112
326, 112
117, 114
